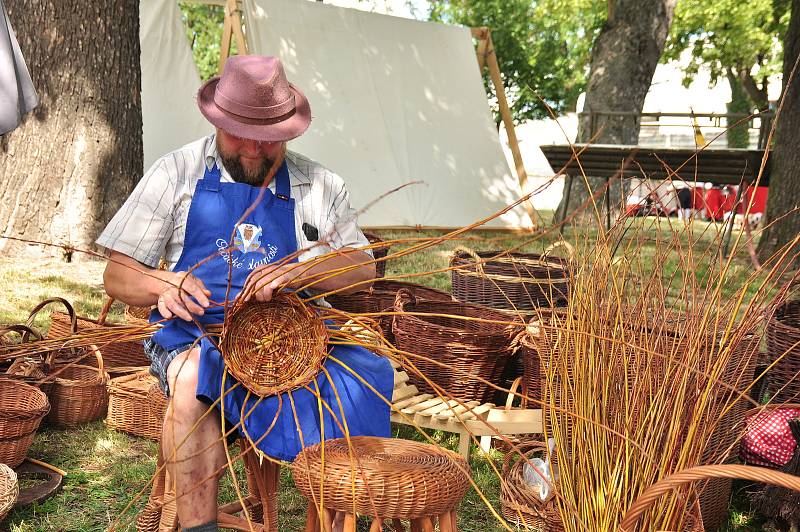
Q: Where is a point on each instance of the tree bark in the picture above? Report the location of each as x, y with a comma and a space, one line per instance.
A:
624, 58
66, 170
737, 136
782, 217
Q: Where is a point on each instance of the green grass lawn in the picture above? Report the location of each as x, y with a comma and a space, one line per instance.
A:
108, 470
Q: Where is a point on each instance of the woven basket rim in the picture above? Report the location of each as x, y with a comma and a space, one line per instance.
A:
40, 411
501, 329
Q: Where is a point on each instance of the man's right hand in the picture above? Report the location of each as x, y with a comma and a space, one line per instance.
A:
183, 295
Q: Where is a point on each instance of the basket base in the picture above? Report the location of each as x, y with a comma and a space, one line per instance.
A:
49, 485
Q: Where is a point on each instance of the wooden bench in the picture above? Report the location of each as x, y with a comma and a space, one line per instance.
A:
410, 407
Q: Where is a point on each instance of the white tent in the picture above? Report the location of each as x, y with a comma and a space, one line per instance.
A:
393, 101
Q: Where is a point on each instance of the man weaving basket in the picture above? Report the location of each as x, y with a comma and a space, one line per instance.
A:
186, 209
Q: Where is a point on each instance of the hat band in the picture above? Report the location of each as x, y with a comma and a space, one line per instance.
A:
249, 111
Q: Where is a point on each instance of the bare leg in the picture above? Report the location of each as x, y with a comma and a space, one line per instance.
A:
193, 462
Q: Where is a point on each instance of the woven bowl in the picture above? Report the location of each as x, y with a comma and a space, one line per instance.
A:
396, 478
22, 408
9, 490
274, 347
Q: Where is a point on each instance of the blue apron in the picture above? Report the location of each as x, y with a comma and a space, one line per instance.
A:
265, 236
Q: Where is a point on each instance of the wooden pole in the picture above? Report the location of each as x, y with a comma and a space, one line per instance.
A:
231, 28
487, 56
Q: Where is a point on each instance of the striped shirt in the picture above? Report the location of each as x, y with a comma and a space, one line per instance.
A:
152, 222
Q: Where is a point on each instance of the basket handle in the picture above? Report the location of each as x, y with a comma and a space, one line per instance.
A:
525, 448
99, 356
467, 251
73, 319
694, 474
512, 391
403, 297
560, 244
25, 332
101, 319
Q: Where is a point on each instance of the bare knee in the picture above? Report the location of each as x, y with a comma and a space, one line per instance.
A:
182, 379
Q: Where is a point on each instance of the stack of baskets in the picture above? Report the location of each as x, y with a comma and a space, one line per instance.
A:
457, 345
783, 341
380, 297
9, 490
118, 352
129, 407
22, 408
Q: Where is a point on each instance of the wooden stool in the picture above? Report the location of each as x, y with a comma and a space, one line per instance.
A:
387, 479
160, 513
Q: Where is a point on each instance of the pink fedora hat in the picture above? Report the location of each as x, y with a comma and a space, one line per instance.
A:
254, 100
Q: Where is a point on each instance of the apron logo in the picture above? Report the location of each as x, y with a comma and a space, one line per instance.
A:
248, 238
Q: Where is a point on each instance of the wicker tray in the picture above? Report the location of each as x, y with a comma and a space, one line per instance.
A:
394, 478
129, 409
512, 281
521, 503
9, 490
116, 353
783, 339
79, 393
22, 408
458, 350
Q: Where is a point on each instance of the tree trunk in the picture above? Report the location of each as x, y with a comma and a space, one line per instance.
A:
66, 170
784, 184
624, 58
738, 136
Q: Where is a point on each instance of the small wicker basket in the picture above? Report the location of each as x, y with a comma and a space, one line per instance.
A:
79, 393
391, 478
9, 490
129, 409
22, 408
521, 504
30, 369
456, 344
274, 347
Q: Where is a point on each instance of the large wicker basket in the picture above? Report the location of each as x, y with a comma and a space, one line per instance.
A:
79, 393
521, 504
511, 281
391, 478
380, 298
457, 345
22, 408
129, 409
783, 340
9, 490
119, 352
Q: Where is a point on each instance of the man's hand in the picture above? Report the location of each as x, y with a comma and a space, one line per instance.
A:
262, 282
183, 296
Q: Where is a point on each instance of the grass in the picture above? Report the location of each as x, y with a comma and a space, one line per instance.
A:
106, 469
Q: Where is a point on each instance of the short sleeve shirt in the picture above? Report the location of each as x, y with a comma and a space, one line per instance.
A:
152, 222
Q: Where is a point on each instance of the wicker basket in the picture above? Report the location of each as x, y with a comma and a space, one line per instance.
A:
783, 340
511, 281
399, 479
137, 315
380, 298
22, 408
458, 350
521, 504
378, 252
79, 393
157, 401
274, 347
9, 490
117, 353
129, 409
30, 369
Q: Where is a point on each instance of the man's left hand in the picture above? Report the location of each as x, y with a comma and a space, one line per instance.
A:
263, 281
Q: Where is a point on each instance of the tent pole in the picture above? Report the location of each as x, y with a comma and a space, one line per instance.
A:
231, 28
487, 56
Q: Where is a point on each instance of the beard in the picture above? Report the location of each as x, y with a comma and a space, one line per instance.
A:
241, 175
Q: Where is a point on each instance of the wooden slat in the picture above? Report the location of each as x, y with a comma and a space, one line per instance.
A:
438, 408
477, 411
404, 392
422, 406
399, 405
460, 409
400, 377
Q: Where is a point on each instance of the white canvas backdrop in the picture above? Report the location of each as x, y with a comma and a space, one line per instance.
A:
169, 81
393, 100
